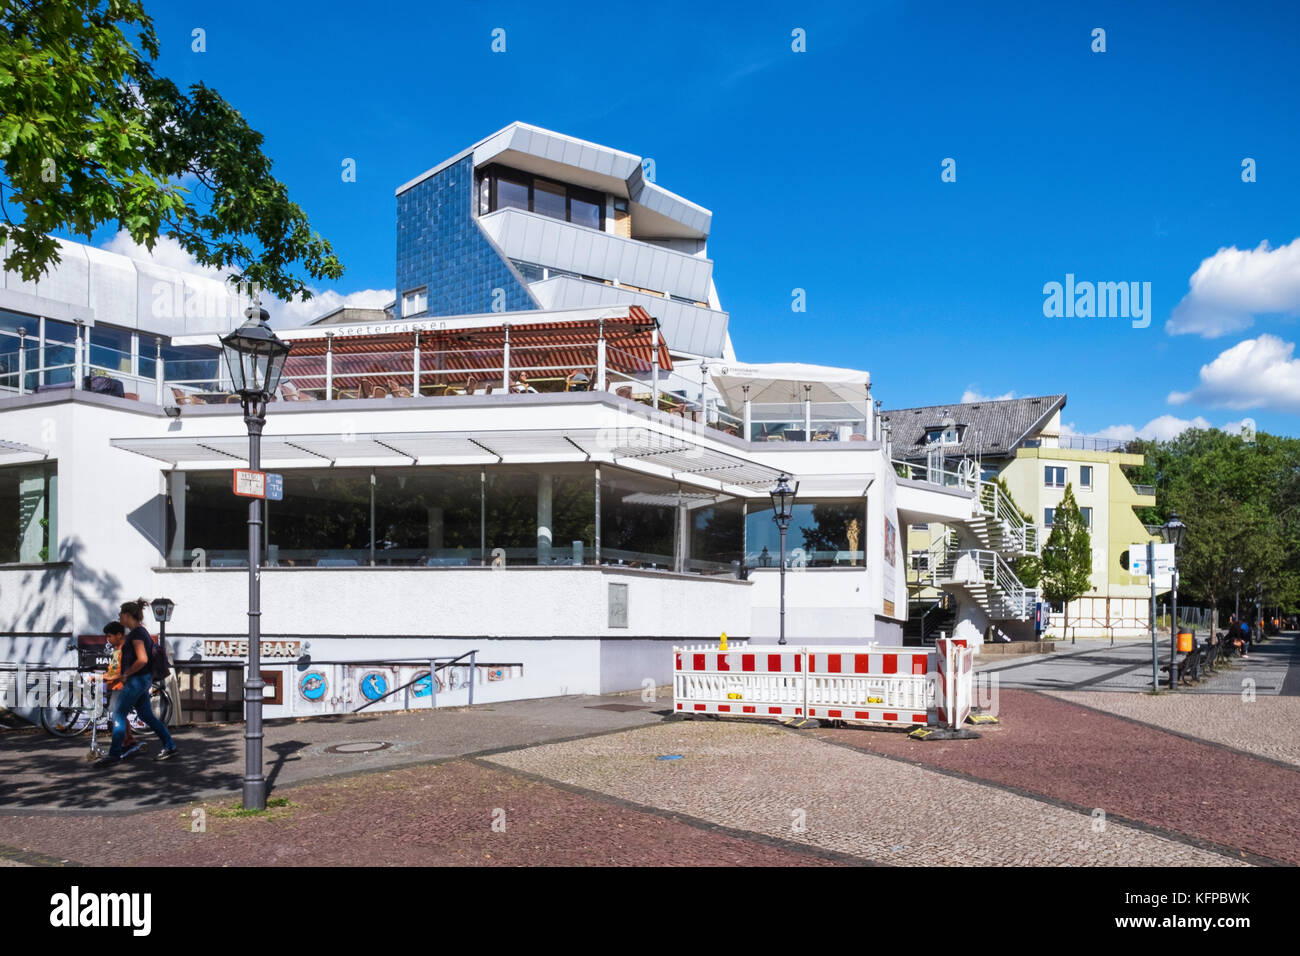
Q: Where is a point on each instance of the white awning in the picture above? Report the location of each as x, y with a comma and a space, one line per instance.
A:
673, 455
786, 382
8, 447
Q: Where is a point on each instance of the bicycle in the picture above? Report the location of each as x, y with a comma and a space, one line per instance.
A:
73, 718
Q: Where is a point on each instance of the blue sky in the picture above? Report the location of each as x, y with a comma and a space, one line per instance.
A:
822, 169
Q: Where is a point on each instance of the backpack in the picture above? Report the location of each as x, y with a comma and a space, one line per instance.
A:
160, 668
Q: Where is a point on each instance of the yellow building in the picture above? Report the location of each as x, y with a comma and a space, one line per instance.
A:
1020, 442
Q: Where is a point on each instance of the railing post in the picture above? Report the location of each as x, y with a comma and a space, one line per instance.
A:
600, 356
158, 377
415, 374
329, 366
433, 685
22, 360
748, 413
473, 674
654, 371
807, 413
77, 357
505, 359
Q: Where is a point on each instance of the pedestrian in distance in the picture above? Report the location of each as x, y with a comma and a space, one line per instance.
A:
137, 678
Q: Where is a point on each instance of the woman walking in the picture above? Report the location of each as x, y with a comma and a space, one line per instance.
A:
137, 680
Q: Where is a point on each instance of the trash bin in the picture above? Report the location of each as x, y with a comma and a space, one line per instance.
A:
1186, 640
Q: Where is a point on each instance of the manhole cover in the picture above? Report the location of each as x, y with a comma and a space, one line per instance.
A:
621, 708
358, 747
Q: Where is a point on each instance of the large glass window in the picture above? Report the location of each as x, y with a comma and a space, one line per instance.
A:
28, 509
427, 516
60, 354
503, 188
717, 532
110, 349
549, 199
638, 519
821, 534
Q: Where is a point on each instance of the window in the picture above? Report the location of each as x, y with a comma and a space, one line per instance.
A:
944, 436
827, 533
415, 302
110, 349
503, 188
920, 527
1085, 476
1054, 477
920, 560
1049, 516
28, 513
1087, 517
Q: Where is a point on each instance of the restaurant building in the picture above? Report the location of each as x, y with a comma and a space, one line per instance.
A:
563, 488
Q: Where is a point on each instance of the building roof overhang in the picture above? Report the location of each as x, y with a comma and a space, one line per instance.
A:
676, 456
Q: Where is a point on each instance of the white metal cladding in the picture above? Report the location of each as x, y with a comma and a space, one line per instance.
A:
687, 328
555, 244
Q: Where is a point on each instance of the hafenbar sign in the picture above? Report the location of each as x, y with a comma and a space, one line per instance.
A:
284, 650
249, 483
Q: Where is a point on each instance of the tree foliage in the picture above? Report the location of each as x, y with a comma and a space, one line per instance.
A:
90, 135
1240, 501
1067, 556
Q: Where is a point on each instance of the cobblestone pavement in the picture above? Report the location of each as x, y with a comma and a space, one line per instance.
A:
1266, 726
766, 779
1087, 759
421, 816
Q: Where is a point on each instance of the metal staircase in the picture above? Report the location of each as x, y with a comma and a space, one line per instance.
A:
998, 531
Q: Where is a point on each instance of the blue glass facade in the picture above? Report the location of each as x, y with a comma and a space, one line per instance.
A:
440, 247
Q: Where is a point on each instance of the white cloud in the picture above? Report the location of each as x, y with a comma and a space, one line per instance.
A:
1256, 373
1162, 428
171, 254
297, 312
970, 395
166, 252
1232, 286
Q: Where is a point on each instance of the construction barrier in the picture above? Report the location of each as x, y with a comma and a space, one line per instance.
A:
899, 686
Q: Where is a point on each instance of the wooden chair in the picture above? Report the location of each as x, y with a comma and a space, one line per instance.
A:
623, 391
378, 391
344, 393
291, 393
401, 391
183, 398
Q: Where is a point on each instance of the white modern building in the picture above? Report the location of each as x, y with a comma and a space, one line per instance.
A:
565, 488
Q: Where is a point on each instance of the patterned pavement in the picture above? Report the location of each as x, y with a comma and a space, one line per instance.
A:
1067, 778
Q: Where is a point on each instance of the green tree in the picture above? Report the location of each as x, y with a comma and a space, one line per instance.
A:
90, 135
1067, 556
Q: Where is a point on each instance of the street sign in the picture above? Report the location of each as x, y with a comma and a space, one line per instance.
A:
1164, 553
274, 486
249, 483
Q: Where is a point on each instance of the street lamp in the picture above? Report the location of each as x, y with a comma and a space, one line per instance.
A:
1173, 531
255, 358
1236, 583
782, 510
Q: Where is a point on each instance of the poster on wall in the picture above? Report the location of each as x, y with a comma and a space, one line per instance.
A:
891, 543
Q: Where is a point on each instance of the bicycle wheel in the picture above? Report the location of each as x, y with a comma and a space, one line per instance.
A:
161, 705
69, 721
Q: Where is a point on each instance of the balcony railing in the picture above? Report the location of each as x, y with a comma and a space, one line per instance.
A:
1145, 490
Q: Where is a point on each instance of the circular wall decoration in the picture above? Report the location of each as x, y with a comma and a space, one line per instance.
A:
374, 685
312, 685
422, 687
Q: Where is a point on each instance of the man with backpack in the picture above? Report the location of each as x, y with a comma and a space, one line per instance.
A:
138, 656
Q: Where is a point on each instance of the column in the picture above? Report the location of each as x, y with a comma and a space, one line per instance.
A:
807, 413
748, 414
600, 358
505, 360
545, 491
436, 526
158, 371
329, 366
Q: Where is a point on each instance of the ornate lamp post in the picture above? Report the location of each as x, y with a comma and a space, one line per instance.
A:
255, 358
1173, 531
782, 511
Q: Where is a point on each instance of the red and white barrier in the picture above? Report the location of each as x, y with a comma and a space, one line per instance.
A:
900, 686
